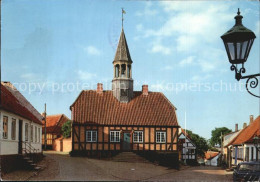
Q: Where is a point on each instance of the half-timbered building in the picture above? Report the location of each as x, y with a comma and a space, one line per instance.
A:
53, 128
122, 119
187, 147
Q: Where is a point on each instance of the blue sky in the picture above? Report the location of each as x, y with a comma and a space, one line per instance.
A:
53, 49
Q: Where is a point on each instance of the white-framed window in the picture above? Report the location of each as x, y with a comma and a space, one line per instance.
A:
138, 137
91, 136
31, 133
26, 131
13, 129
5, 127
35, 132
160, 137
39, 136
114, 136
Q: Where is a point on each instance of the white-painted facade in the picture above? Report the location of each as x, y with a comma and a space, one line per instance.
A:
188, 148
213, 161
245, 152
9, 145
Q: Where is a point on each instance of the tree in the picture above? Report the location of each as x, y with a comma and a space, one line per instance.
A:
200, 142
66, 129
216, 135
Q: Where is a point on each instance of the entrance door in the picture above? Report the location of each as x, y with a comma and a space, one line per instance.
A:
126, 142
20, 134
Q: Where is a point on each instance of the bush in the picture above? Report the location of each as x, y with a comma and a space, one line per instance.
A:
66, 129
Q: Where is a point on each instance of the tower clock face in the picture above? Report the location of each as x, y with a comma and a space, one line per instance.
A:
114, 33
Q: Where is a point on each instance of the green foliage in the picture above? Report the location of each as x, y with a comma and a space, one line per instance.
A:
200, 142
216, 135
66, 129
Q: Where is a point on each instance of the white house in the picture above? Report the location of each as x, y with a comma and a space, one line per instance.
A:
212, 158
242, 146
20, 128
187, 147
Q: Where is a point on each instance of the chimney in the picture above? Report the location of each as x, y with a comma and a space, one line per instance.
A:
244, 125
145, 89
251, 119
99, 88
236, 127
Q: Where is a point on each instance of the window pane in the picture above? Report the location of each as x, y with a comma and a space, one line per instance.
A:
35, 134
135, 137
5, 127
112, 136
238, 49
88, 136
244, 46
158, 137
117, 136
26, 132
163, 137
231, 50
31, 133
13, 129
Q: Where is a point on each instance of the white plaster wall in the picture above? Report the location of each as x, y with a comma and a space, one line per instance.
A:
212, 162
9, 146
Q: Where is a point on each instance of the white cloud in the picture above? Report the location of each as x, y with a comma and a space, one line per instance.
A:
85, 75
158, 48
147, 10
91, 50
28, 76
139, 27
188, 61
157, 87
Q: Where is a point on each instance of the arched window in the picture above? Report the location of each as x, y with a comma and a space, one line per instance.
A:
117, 71
123, 70
129, 71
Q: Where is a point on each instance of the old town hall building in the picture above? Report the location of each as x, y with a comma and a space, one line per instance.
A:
121, 119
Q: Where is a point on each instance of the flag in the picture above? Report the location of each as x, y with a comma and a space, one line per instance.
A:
123, 11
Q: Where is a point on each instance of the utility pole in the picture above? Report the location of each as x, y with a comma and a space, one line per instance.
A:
45, 139
0, 54
0, 86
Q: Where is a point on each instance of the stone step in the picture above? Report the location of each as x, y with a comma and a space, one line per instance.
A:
129, 157
37, 168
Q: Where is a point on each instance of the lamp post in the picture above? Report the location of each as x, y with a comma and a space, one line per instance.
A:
238, 42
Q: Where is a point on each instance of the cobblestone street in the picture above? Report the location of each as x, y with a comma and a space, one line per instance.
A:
63, 167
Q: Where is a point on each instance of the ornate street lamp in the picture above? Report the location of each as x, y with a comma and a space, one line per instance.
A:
238, 42
256, 141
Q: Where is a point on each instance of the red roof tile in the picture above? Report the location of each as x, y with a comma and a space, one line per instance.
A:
247, 134
153, 109
54, 123
11, 104
210, 155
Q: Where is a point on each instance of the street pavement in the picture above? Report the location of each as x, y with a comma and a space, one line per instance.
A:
65, 168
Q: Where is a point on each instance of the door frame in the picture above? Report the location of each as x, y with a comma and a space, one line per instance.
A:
20, 136
130, 142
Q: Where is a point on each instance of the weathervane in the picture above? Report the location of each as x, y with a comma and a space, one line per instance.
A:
123, 12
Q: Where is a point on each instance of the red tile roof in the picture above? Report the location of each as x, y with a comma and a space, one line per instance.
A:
247, 134
210, 155
152, 109
54, 123
11, 104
